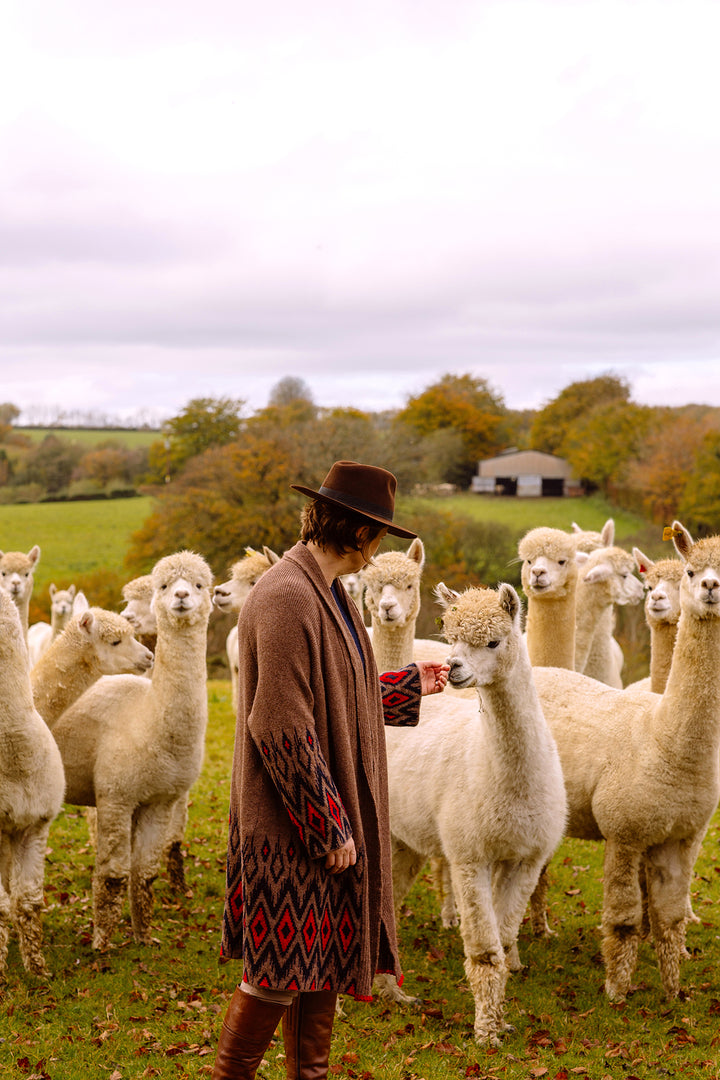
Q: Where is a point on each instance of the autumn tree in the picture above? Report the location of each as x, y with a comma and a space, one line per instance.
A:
562, 418
111, 461
463, 404
600, 444
699, 507
203, 423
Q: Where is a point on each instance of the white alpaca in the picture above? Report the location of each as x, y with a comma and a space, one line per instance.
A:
93, 644
40, 634
642, 774
588, 540
605, 578
31, 795
484, 790
133, 747
16, 578
138, 609
662, 612
232, 594
549, 575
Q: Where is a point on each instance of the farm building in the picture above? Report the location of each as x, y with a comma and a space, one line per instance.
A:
525, 473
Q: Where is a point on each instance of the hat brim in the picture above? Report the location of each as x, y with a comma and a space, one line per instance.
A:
395, 530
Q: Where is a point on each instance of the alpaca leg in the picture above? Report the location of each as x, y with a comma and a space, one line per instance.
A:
443, 886
538, 907
26, 897
151, 825
622, 917
669, 870
112, 870
4, 905
513, 885
406, 865
485, 963
174, 860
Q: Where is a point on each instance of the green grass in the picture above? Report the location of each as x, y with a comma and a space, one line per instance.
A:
92, 436
155, 1012
75, 538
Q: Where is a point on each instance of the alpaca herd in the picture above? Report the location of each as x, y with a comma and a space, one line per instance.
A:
535, 738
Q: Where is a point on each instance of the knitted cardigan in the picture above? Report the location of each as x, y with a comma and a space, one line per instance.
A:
309, 771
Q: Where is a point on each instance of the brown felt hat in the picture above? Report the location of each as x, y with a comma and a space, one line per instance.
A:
364, 489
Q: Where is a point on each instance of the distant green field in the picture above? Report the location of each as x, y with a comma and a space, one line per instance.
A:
92, 436
75, 538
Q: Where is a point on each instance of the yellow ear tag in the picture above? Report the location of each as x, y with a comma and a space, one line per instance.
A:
669, 532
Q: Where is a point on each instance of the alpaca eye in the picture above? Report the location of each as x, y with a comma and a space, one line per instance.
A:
561, 562
691, 573
198, 585
493, 644
114, 643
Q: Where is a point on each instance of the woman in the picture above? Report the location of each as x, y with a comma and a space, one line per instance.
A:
309, 906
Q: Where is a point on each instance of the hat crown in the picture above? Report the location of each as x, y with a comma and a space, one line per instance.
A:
366, 488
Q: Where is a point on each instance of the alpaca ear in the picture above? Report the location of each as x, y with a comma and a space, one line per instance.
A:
509, 600
576, 528
270, 555
581, 557
34, 555
443, 595
71, 591
601, 572
607, 534
682, 540
416, 552
52, 590
641, 561
80, 603
86, 621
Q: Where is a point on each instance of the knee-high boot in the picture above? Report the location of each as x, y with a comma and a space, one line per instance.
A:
307, 1032
246, 1033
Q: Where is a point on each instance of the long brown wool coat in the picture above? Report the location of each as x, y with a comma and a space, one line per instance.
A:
309, 771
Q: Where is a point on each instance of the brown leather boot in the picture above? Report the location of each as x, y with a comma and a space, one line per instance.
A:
246, 1033
307, 1031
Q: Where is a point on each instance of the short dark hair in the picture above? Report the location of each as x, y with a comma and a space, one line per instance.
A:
335, 529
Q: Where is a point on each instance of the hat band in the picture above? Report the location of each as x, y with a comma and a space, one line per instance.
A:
357, 504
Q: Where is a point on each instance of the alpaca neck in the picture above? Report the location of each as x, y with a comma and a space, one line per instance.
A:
600, 662
662, 646
551, 630
689, 710
179, 678
58, 623
594, 620
22, 603
62, 675
393, 645
515, 724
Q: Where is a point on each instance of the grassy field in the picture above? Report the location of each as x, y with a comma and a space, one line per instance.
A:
91, 436
135, 1012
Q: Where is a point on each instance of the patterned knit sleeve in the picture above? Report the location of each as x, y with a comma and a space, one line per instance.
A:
306, 787
401, 694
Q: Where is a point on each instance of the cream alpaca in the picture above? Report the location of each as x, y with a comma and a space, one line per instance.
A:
138, 611
392, 596
232, 594
40, 634
95, 643
503, 814
605, 578
16, 578
133, 747
662, 612
588, 540
31, 795
549, 578
641, 772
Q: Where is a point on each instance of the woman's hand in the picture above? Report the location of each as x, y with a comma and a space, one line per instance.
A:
433, 677
341, 858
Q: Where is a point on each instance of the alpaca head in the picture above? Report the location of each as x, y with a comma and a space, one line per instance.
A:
61, 604
138, 611
392, 585
113, 642
588, 540
232, 594
662, 588
700, 584
611, 570
16, 572
482, 627
181, 588
549, 567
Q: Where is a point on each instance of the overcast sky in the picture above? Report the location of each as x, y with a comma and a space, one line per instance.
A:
200, 197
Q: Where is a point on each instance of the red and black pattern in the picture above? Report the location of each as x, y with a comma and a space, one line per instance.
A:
297, 930
300, 773
400, 692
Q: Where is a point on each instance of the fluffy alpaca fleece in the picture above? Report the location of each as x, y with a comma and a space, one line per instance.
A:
96, 643
605, 578
642, 774
232, 594
503, 814
31, 795
16, 578
549, 578
588, 540
133, 747
40, 634
138, 610
392, 596
662, 612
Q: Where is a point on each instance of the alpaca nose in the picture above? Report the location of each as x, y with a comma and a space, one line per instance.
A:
182, 594
710, 582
